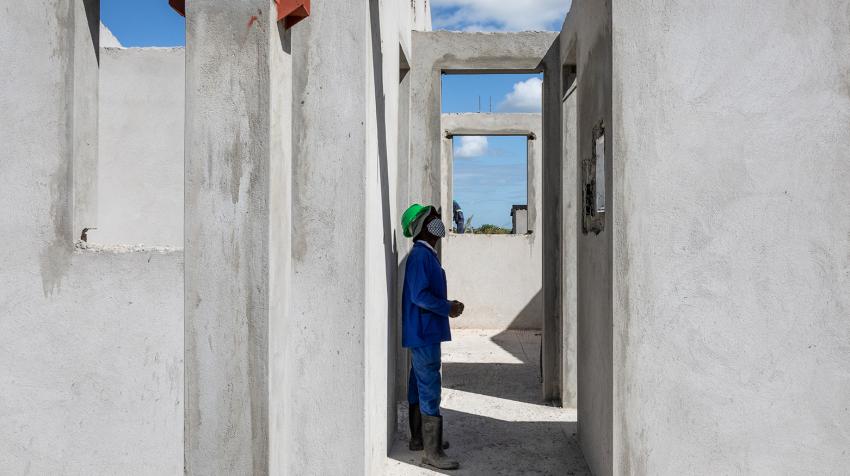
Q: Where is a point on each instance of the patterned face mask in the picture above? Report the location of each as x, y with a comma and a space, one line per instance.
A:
436, 228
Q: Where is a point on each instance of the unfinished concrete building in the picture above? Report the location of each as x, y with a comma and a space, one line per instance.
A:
686, 277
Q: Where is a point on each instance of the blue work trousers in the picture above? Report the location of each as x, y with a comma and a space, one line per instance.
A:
424, 384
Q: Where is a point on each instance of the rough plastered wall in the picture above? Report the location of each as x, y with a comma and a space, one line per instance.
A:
90, 340
140, 166
497, 277
387, 91
569, 240
732, 270
587, 37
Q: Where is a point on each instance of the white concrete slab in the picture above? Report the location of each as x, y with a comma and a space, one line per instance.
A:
495, 417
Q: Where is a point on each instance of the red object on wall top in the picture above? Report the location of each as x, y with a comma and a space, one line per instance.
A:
179, 6
292, 11
289, 11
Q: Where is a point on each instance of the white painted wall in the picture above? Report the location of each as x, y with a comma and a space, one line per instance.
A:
497, 277
90, 341
140, 167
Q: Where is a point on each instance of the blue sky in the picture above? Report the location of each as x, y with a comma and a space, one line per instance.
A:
143, 23
490, 174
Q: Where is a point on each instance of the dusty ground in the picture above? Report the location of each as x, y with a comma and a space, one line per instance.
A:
495, 418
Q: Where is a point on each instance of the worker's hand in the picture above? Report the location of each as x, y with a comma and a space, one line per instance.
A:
456, 309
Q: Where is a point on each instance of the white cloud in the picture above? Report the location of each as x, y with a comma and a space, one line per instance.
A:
527, 96
499, 15
471, 146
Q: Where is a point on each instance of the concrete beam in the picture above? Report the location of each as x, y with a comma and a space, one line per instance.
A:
236, 238
492, 124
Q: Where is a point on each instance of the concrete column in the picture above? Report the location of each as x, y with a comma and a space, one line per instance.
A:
325, 374
447, 172
237, 235
569, 239
551, 223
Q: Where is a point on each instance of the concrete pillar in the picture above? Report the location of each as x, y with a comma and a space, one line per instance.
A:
447, 176
570, 225
238, 95
325, 373
551, 223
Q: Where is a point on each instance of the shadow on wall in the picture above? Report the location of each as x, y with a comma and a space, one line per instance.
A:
530, 317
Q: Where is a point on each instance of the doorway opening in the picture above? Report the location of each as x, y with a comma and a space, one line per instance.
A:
491, 164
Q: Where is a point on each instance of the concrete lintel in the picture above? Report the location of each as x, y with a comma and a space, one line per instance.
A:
475, 124
463, 52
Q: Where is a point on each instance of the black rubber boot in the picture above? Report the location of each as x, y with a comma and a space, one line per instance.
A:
414, 419
432, 435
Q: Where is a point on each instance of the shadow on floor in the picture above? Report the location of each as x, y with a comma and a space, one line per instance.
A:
487, 446
519, 381
507, 381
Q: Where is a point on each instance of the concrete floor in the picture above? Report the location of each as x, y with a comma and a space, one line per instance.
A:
494, 415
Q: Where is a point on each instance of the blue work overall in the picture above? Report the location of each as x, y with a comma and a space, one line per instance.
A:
425, 324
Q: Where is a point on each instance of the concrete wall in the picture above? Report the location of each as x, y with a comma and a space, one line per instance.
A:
498, 277
326, 413
140, 167
731, 237
237, 223
570, 226
90, 346
387, 161
586, 40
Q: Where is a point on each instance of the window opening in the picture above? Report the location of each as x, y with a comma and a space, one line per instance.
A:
594, 183
490, 184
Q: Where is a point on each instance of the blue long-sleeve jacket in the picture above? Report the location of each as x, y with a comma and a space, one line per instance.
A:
425, 307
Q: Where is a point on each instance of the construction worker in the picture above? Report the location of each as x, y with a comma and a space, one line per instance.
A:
425, 324
457, 217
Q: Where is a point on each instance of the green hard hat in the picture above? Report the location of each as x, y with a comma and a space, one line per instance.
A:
411, 220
